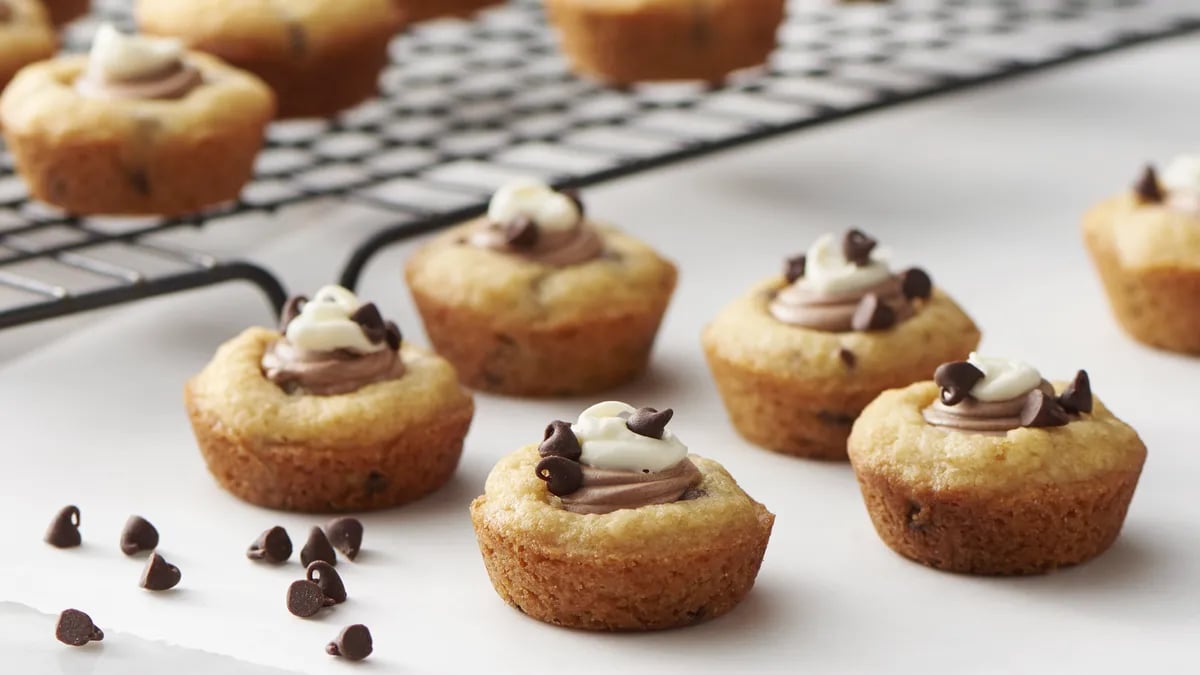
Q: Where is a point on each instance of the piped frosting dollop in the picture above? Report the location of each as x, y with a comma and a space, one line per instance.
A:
532, 220
122, 66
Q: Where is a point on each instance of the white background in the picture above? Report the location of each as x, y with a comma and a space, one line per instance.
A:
984, 189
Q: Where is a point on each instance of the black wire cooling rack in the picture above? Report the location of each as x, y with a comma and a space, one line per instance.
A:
470, 104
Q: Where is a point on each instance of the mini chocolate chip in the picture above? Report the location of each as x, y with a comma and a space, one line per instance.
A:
304, 598
376, 482
76, 628
327, 579
317, 548
346, 535
836, 419
915, 283
872, 314
291, 310
1148, 190
847, 357
956, 379
392, 335
649, 422
159, 574
560, 441
273, 546
139, 535
371, 321
521, 232
64, 529
857, 247
574, 196
793, 268
562, 475
1041, 410
353, 643
1077, 397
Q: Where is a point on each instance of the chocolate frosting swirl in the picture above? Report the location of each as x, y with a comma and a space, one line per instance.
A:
834, 311
328, 373
971, 414
605, 490
579, 244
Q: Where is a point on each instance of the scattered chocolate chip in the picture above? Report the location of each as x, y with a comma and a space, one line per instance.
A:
304, 598
76, 628
346, 535
793, 268
560, 441
847, 357
956, 380
1148, 190
317, 548
1077, 397
291, 310
327, 579
159, 574
915, 283
138, 536
649, 422
574, 196
562, 475
521, 232
353, 643
1041, 410
273, 546
371, 321
393, 335
64, 529
857, 247
872, 314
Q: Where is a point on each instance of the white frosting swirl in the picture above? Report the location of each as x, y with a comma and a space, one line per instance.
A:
1003, 379
120, 57
826, 269
545, 206
1181, 179
609, 444
324, 325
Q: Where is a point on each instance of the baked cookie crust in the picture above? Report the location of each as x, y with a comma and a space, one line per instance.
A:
26, 38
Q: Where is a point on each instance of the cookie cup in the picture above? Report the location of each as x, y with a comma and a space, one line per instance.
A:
1148, 258
654, 567
134, 157
623, 42
319, 57
792, 390
65, 11
423, 10
518, 327
25, 38
1023, 502
384, 445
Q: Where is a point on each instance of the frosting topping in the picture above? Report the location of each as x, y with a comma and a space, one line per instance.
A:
333, 344
615, 457
122, 66
847, 287
530, 219
1181, 179
995, 395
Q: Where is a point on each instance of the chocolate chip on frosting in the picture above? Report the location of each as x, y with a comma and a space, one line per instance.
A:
915, 283
1077, 397
872, 314
64, 529
368, 317
793, 268
956, 380
560, 441
138, 536
393, 335
521, 232
159, 574
291, 310
76, 628
649, 422
273, 546
346, 535
1148, 190
304, 598
1042, 410
327, 579
562, 475
857, 247
317, 548
353, 643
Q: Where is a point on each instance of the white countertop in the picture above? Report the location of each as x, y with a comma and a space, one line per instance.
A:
984, 189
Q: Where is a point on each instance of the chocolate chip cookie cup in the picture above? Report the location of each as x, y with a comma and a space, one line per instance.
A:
334, 414
609, 524
626, 42
799, 356
319, 56
992, 470
139, 127
1146, 247
536, 299
26, 36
